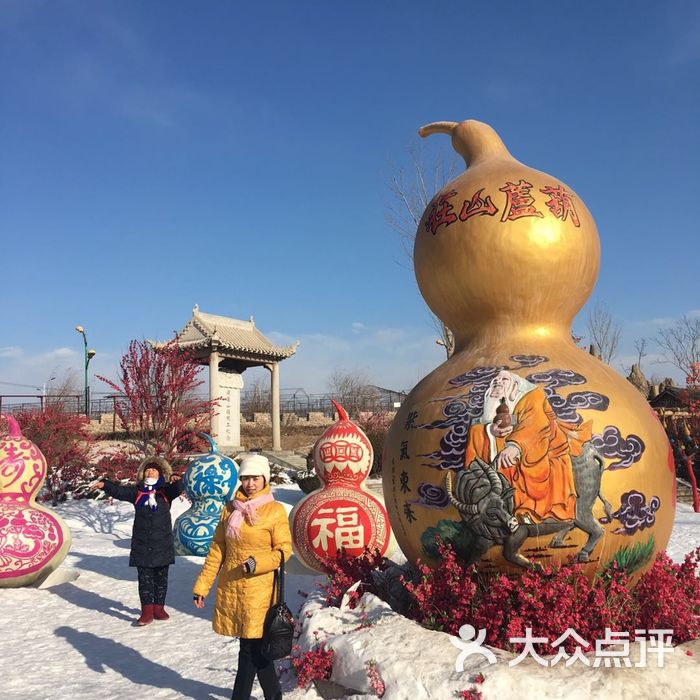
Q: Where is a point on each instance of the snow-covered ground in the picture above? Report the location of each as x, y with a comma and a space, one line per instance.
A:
75, 639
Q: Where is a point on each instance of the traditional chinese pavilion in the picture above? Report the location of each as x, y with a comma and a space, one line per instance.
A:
229, 347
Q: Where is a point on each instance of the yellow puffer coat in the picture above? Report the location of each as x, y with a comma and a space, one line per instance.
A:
242, 600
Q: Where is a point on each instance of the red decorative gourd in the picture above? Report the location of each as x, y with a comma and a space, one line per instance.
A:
343, 512
33, 540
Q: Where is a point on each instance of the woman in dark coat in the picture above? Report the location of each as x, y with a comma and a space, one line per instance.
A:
152, 548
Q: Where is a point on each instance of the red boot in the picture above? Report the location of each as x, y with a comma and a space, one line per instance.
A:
159, 613
146, 615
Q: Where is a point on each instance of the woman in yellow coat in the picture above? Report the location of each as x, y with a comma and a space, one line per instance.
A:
244, 553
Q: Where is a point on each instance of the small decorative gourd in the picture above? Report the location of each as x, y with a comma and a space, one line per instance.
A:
343, 512
521, 449
209, 483
33, 539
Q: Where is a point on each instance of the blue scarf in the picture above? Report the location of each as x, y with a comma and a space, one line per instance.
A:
144, 497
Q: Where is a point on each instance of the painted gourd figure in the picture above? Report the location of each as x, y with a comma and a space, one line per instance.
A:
342, 513
209, 483
521, 449
33, 539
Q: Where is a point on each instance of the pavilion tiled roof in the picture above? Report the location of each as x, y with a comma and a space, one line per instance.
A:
675, 396
237, 337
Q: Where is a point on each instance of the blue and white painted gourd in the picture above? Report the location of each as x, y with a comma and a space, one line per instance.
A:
209, 483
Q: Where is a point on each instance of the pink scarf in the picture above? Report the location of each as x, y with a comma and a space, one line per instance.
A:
245, 510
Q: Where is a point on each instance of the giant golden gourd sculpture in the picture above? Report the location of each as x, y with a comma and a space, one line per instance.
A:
521, 449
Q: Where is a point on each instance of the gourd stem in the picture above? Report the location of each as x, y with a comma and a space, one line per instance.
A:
473, 140
13, 428
210, 440
342, 413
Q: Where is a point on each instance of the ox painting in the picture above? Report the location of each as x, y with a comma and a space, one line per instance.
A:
485, 501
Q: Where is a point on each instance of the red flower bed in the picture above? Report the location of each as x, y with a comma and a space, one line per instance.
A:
316, 664
549, 601
558, 598
65, 441
345, 570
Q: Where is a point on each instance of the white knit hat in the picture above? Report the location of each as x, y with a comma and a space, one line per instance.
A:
255, 465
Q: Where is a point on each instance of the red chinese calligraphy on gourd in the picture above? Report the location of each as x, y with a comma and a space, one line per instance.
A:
477, 206
561, 204
441, 212
519, 201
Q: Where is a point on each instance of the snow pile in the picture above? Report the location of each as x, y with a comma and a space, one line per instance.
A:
416, 663
74, 637
413, 662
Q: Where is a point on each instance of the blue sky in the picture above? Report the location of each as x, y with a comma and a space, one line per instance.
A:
161, 154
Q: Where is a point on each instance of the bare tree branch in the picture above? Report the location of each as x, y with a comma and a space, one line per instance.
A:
352, 390
604, 332
257, 396
411, 193
680, 344
446, 337
67, 385
640, 345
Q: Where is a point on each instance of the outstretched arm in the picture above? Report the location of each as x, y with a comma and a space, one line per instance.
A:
121, 493
174, 488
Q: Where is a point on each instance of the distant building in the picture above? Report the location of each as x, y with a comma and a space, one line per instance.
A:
674, 399
387, 398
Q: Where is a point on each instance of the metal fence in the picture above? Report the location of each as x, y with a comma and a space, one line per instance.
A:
292, 401
15, 403
299, 402
70, 403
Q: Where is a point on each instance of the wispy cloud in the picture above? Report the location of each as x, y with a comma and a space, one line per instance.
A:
503, 91
13, 13
654, 366
115, 70
664, 321
19, 366
684, 34
396, 358
659, 322
10, 352
165, 105
145, 106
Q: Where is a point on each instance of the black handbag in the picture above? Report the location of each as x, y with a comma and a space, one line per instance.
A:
278, 628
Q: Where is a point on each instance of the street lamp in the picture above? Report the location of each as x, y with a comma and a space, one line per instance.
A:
89, 354
45, 384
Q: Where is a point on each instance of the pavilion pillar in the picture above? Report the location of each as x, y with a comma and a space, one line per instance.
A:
229, 411
214, 390
225, 388
275, 396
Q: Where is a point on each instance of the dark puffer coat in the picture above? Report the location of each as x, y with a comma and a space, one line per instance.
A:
152, 535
